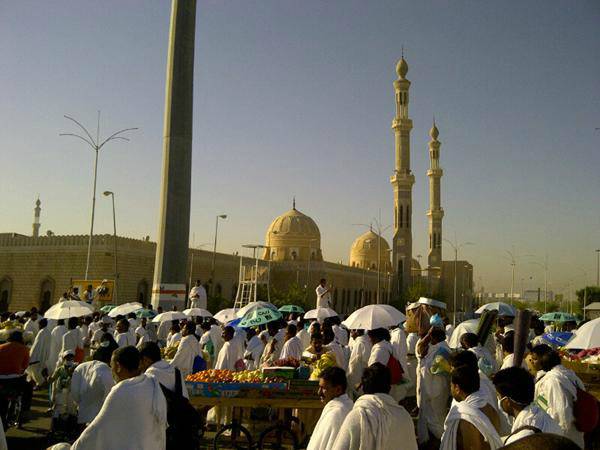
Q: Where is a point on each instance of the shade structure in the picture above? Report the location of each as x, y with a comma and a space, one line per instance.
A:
125, 308
107, 308
169, 315
558, 317
242, 312
504, 309
197, 312
226, 315
68, 309
468, 326
260, 316
587, 336
291, 309
320, 314
371, 317
145, 313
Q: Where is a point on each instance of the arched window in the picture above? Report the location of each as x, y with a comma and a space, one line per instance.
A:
408, 216
294, 255
142, 292
5, 293
46, 294
219, 289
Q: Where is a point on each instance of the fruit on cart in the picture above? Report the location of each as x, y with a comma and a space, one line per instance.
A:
286, 362
325, 361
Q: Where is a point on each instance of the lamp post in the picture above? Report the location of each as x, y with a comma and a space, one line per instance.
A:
598, 267
96, 146
513, 262
545, 267
214, 256
112, 195
195, 247
456, 246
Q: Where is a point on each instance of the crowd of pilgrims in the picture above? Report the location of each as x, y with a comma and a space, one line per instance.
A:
467, 397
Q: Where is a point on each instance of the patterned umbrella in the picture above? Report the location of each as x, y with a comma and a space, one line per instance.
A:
291, 309
558, 317
260, 316
147, 313
107, 308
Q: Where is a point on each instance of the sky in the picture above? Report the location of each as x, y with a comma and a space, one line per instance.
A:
296, 99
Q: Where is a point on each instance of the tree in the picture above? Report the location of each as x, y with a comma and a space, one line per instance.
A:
590, 294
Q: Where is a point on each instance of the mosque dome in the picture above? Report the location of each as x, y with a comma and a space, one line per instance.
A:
365, 249
415, 265
434, 132
402, 68
293, 236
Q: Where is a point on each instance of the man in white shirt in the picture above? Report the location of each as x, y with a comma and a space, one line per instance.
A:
303, 333
133, 321
32, 325
124, 338
134, 414
376, 420
274, 344
56, 344
72, 338
152, 364
229, 354
254, 350
141, 333
187, 351
332, 392
198, 297
292, 348
104, 328
359, 358
40, 353
516, 390
90, 385
323, 294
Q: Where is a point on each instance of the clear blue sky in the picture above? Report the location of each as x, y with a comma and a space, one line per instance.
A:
296, 98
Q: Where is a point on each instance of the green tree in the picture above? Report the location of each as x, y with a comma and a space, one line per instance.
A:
590, 294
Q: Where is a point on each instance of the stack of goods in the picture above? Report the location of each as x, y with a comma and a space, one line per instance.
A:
325, 361
590, 356
228, 383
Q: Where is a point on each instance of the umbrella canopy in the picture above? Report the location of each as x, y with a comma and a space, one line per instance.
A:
558, 317
252, 306
468, 326
371, 317
557, 338
504, 309
291, 309
169, 315
587, 336
259, 316
320, 314
147, 313
107, 308
197, 312
226, 315
68, 309
124, 309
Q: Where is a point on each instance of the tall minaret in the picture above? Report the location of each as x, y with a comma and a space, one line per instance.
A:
36, 218
402, 180
435, 212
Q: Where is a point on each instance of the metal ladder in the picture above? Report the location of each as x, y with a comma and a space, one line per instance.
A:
250, 277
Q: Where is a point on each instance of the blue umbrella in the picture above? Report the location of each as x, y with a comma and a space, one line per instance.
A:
557, 338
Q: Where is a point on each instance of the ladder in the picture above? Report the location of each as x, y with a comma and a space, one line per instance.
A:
253, 273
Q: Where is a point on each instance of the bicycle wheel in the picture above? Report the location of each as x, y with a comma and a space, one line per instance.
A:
278, 437
233, 436
14, 412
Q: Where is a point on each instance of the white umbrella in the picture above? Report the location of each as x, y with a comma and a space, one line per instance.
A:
68, 309
124, 309
468, 326
586, 337
320, 314
504, 309
371, 317
253, 306
169, 315
197, 312
226, 315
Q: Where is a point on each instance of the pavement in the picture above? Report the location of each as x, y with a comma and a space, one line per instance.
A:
34, 433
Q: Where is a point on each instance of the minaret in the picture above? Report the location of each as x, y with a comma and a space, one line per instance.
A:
402, 180
435, 212
36, 218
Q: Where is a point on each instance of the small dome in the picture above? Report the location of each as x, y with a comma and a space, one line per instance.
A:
415, 265
293, 236
434, 132
402, 68
365, 249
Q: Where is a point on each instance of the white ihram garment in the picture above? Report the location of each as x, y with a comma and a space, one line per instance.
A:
341, 335
532, 416
304, 338
55, 346
90, 385
133, 417
469, 410
187, 350
32, 326
292, 348
254, 349
323, 297
39, 355
555, 393
125, 339
340, 354
330, 422
359, 361
71, 340
165, 374
376, 422
227, 357
198, 298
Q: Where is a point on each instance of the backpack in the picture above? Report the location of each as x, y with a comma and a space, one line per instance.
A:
585, 411
184, 422
396, 371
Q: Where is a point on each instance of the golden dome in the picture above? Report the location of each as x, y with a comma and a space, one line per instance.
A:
365, 249
434, 132
293, 236
402, 68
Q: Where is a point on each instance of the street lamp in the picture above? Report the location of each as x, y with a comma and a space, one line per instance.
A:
456, 246
513, 263
212, 269
112, 195
96, 146
598, 267
545, 267
195, 247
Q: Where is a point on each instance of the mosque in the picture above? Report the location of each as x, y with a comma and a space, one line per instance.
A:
35, 270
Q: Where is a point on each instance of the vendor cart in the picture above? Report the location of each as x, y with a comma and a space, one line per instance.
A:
290, 402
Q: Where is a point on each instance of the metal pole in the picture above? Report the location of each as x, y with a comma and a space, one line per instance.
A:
545, 289
89, 250
598, 267
512, 283
378, 263
455, 265
214, 256
116, 255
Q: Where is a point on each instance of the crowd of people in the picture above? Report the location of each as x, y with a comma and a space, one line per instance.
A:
108, 376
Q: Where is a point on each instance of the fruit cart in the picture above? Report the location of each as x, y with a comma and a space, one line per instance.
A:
237, 395
589, 373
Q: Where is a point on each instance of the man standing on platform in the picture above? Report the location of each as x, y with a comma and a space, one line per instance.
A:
198, 298
323, 294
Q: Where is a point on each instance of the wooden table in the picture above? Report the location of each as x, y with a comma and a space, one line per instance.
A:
243, 402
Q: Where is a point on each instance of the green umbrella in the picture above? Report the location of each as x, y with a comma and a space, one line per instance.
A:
259, 316
291, 309
558, 317
107, 308
147, 313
